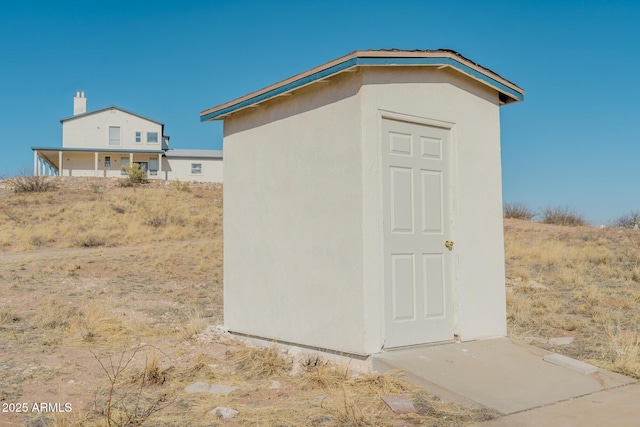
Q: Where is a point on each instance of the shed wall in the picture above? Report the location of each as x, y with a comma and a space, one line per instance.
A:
304, 246
293, 218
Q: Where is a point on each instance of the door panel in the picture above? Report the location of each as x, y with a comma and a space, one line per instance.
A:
403, 285
418, 302
433, 276
432, 205
401, 200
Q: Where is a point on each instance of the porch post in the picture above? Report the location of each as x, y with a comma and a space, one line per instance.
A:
131, 159
160, 166
60, 163
35, 162
95, 163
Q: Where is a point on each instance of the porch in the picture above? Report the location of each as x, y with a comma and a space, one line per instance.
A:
97, 163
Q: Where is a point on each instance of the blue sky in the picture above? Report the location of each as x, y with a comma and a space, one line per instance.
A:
573, 142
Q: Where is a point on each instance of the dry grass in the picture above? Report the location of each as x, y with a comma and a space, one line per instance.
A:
104, 291
97, 276
252, 363
576, 281
112, 216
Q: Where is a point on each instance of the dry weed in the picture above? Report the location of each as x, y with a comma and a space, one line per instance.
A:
255, 362
193, 323
450, 414
130, 401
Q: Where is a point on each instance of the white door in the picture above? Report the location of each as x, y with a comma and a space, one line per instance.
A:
418, 295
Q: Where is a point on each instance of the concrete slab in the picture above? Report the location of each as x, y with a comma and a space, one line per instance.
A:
567, 362
399, 404
561, 340
616, 407
499, 374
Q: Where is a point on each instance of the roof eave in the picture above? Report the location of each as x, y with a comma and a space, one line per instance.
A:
440, 58
98, 150
111, 107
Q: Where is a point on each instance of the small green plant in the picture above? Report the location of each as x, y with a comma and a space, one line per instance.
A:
562, 216
518, 210
135, 173
181, 186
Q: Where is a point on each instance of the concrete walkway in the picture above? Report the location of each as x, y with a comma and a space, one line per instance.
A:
515, 379
617, 407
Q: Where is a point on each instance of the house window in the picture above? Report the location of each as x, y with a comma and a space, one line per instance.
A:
196, 168
124, 162
153, 167
107, 162
114, 135
152, 137
138, 137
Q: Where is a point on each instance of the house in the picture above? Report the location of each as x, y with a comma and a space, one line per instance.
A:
363, 203
103, 142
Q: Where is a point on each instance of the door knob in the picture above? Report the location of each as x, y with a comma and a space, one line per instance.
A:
448, 244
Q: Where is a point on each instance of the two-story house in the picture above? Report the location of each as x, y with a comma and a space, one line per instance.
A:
103, 142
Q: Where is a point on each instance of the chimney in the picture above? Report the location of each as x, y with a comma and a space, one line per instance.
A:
79, 103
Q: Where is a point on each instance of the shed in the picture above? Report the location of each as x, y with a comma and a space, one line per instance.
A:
363, 203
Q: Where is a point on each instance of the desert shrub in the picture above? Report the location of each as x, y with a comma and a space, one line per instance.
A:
156, 218
517, 210
562, 216
135, 173
181, 186
33, 184
90, 240
37, 240
628, 220
117, 209
178, 220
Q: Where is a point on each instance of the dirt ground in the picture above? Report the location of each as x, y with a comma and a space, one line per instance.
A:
113, 333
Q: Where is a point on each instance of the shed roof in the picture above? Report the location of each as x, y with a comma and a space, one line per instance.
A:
435, 58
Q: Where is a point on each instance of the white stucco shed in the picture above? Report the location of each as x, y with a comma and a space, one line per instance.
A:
363, 206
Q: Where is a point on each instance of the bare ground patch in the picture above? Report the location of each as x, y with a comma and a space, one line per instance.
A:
579, 282
118, 330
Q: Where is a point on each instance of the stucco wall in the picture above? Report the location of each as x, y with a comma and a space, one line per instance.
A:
443, 98
180, 168
92, 131
293, 219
